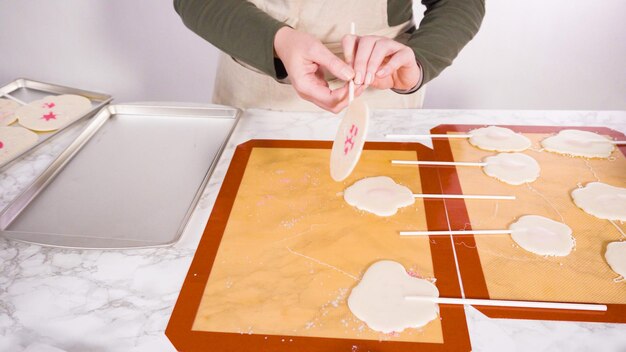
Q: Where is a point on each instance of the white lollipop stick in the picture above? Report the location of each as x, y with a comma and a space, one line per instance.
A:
448, 233
506, 303
13, 98
462, 196
426, 136
350, 137
351, 82
618, 142
438, 163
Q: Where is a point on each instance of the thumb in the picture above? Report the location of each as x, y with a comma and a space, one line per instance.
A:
333, 64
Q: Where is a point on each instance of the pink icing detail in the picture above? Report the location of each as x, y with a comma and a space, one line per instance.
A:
1, 145
48, 105
354, 130
49, 116
414, 274
348, 145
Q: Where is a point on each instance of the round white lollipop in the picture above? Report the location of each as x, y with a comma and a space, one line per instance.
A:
579, 143
53, 112
615, 255
601, 200
512, 168
15, 140
7, 109
499, 139
72, 100
349, 140
379, 195
379, 299
542, 236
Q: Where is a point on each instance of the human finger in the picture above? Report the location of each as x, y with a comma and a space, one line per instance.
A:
349, 43
325, 58
361, 57
380, 52
322, 96
399, 59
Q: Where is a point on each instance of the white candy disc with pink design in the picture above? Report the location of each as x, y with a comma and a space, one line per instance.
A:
499, 139
349, 140
15, 140
579, 143
53, 112
379, 195
7, 109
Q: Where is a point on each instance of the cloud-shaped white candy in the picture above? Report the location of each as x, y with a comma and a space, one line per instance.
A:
499, 139
379, 195
616, 257
512, 168
579, 143
601, 200
379, 298
542, 236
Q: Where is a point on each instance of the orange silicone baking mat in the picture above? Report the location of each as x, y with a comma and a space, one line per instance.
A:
282, 250
495, 267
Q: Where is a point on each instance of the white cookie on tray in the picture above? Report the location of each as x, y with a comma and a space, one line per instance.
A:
15, 140
7, 110
52, 112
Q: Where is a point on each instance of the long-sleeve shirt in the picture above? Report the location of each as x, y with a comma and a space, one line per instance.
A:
246, 33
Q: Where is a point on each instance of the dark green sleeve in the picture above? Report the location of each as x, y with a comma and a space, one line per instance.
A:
445, 29
236, 27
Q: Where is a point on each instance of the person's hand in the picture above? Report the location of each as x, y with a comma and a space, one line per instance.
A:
305, 59
381, 62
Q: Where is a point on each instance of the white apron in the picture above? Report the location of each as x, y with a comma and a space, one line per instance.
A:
328, 20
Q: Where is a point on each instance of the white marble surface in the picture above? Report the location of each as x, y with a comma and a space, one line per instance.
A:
91, 300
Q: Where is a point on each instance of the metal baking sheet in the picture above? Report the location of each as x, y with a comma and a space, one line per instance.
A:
131, 179
25, 90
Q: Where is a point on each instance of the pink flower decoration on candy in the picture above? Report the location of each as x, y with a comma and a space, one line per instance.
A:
49, 116
349, 143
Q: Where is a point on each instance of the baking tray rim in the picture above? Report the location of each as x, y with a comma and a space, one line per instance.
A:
21, 202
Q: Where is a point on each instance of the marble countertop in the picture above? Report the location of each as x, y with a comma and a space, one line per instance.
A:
105, 300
